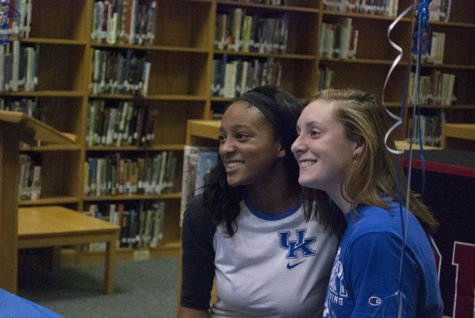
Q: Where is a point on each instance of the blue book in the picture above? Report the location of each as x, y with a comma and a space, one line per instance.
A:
206, 162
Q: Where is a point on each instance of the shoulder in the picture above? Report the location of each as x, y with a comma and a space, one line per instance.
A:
196, 211
197, 217
373, 226
366, 219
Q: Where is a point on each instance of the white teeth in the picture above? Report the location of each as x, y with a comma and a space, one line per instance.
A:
307, 163
233, 164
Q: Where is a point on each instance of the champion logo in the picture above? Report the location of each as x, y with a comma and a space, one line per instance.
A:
374, 301
290, 266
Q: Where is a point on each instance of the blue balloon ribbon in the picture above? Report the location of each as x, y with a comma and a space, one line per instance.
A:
419, 47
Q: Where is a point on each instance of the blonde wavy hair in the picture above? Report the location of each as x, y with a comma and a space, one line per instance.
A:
374, 174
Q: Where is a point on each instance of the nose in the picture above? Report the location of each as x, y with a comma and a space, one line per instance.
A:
227, 146
298, 146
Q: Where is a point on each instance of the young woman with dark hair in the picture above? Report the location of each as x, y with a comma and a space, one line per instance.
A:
248, 230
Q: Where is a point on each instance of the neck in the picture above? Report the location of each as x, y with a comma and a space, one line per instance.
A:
337, 197
274, 198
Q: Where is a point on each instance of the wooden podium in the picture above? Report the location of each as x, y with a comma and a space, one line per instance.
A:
16, 127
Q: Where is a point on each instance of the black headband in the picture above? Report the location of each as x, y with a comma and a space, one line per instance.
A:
263, 103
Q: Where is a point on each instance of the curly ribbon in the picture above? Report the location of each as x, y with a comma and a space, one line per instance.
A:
422, 19
399, 120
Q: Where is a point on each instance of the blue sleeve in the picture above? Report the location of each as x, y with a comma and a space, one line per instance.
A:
197, 256
14, 306
373, 273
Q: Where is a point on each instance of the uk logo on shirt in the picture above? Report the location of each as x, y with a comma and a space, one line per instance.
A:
302, 246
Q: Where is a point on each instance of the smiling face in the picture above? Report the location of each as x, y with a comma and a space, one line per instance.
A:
322, 149
248, 146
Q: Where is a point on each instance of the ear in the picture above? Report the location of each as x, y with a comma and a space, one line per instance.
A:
282, 152
358, 149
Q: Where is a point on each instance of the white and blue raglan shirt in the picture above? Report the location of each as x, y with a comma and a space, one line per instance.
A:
365, 275
273, 266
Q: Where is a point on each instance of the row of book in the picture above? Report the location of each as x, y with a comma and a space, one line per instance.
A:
30, 178
120, 72
124, 21
231, 78
117, 175
118, 123
15, 19
141, 224
198, 162
375, 7
242, 32
18, 67
435, 89
427, 129
30, 106
266, 2
339, 40
325, 77
436, 47
439, 10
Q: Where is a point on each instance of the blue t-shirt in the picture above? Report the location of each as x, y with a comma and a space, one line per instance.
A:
13, 306
365, 274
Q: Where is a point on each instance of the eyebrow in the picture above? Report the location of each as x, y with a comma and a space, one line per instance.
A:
314, 123
235, 127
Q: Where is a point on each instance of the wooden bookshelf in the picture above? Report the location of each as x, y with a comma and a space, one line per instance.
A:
181, 57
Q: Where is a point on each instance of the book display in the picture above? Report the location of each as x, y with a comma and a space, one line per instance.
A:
125, 76
148, 69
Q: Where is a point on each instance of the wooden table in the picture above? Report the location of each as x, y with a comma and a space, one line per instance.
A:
458, 136
50, 226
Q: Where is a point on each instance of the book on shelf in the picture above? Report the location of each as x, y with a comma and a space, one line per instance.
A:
266, 2
123, 123
124, 22
384, 8
339, 40
123, 72
29, 187
32, 107
242, 32
325, 77
233, 77
437, 48
141, 223
17, 18
439, 10
118, 175
427, 129
435, 88
207, 160
158, 221
198, 163
18, 67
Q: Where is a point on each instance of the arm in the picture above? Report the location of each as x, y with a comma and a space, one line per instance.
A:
373, 275
184, 312
197, 259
